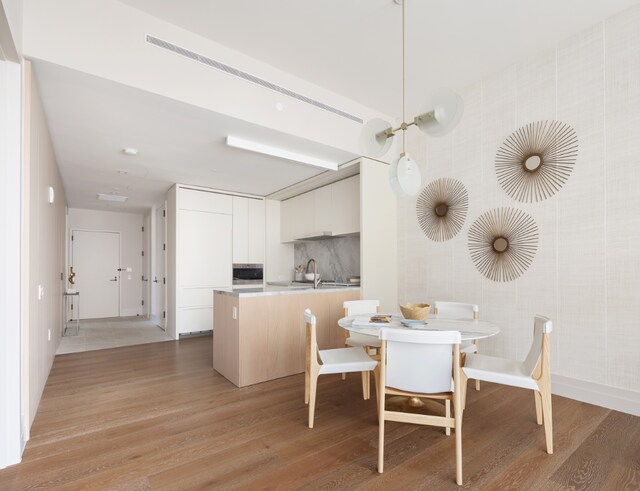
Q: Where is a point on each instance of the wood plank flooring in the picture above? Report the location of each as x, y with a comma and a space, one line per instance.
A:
157, 416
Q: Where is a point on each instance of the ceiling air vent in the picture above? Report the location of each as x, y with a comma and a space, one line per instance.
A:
246, 76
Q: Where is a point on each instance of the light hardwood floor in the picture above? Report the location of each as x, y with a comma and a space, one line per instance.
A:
157, 416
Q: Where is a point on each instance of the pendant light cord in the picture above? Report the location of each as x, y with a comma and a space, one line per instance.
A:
404, 132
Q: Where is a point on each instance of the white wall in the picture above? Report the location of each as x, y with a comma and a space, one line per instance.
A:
13, 12
378, 240
130, 227
43, 250
279, 257
586, 273
10, 258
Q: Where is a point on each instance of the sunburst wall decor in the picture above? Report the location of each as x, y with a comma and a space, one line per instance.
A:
503, 243
534, 162
442, 208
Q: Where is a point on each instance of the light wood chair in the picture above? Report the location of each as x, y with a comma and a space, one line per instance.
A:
457, 310
420, 364
534, 373
321, 362
353, 339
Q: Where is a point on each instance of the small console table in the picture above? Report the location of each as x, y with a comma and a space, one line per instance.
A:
69, 298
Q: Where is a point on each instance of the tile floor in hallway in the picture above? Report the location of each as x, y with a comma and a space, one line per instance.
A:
95, 334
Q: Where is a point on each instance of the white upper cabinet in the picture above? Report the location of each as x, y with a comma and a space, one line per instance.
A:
333, 209
248, 230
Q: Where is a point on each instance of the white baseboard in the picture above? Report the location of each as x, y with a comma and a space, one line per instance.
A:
130, 312
626, 401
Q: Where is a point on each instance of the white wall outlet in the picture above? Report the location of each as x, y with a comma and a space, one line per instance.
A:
129, 270
234, 312
49, 334
40, 292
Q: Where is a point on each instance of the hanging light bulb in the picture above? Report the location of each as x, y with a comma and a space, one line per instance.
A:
439, 115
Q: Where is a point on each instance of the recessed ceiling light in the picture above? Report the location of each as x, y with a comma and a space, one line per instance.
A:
112, 197
122, 172
279, 106
130, 151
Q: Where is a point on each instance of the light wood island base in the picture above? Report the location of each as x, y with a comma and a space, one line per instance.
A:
266, 339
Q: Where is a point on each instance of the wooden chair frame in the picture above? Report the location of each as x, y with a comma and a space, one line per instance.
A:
445, 421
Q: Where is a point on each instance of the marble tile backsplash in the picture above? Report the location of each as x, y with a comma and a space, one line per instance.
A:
336, 258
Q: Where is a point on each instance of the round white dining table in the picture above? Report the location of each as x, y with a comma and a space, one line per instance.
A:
469, 329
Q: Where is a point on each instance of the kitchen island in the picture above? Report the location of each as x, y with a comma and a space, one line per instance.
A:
259, 333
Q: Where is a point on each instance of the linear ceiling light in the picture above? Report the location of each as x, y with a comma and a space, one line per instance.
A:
112, 197
234, 141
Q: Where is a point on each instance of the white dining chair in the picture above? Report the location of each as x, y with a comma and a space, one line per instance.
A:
421, 364
533, 373
322, 362
457, 310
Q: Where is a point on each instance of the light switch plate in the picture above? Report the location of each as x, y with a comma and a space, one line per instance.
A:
234, 312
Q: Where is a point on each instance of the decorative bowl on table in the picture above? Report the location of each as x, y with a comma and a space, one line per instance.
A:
416, 311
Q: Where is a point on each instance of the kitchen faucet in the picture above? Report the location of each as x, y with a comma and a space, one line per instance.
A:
316, 279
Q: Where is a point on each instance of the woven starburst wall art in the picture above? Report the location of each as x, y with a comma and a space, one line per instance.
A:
502, 243
442, 208
535, 161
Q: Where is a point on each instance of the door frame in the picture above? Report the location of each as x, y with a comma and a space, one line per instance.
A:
119, 273
161, 255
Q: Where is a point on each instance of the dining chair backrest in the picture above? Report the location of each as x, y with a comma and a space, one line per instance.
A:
419, 361
455, 310
541, 326
357, 307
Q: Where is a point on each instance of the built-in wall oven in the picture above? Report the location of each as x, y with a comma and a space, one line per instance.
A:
247, 274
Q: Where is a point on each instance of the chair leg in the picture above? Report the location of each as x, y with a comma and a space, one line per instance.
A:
313, 386
477, 385
376, 379
365, 386
545, 393
381, 440
463, 383
306, 386
458, 429
344, 376
538, 399
477, 350
447, 413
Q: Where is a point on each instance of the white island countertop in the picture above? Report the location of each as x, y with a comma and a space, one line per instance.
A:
273, 290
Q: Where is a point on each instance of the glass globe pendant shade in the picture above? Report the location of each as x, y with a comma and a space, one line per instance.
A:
440, 113
404, 176
373, 140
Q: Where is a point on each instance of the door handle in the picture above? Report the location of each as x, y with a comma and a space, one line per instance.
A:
155, 279
115, 278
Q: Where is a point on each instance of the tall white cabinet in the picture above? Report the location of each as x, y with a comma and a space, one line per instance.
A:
207, 232
199, 256
248, 230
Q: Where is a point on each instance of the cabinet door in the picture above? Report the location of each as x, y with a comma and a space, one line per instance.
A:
323, 209
345, 196
256, 231
204, 242
241, 230
286, 220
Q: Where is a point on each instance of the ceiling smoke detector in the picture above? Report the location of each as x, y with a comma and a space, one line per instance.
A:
130, 151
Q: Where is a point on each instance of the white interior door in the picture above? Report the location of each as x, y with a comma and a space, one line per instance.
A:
158, 285
95, 257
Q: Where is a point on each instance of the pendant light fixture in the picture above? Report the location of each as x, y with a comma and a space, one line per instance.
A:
438, 116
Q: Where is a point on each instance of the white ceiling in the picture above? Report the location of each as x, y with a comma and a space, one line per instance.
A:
91, 120
349, 46
353, 46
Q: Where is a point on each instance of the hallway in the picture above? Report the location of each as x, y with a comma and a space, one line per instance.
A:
114, 332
